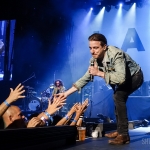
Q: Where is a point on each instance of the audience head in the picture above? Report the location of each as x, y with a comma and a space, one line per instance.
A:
13, 118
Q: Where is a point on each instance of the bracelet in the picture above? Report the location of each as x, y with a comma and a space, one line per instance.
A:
6, 103
49, 116
66, 117
74, 121
26, 120
45, 121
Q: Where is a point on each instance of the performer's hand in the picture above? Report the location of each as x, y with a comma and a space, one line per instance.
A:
63, 95
93, 70
16, 94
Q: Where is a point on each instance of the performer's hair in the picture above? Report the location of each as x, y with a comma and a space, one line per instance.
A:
60, 81
98, 37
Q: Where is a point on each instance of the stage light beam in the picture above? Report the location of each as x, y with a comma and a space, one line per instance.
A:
99, 19
131, 14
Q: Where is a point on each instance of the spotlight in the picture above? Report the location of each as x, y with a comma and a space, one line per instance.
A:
91, 8
118, 6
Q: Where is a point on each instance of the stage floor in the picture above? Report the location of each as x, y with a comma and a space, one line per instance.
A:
140, 139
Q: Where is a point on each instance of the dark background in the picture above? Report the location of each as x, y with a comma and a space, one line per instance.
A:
42, 43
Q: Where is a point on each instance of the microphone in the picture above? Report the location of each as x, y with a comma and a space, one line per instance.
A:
91, 76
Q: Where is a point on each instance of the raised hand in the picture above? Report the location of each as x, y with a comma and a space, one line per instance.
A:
80, 108
69, 115
85, 105
16, 94
73, 109
58, 102
35, 122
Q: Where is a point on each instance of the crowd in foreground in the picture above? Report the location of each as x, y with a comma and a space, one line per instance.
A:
13, 117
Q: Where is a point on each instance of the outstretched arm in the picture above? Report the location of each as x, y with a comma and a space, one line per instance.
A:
58, 102
13, 96
80, 109
68, 115
68, 92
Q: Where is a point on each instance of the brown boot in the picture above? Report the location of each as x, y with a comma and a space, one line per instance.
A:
120, 139
112, 134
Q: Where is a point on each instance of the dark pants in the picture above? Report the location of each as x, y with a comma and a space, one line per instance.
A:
120, 96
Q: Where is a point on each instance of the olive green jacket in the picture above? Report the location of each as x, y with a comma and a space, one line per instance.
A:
115, 65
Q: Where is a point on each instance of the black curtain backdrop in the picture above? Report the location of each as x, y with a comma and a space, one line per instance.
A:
42, 47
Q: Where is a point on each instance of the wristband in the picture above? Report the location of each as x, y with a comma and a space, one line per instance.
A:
45, 121
25, 120
49, 116
74, 121
66, 117
6, 103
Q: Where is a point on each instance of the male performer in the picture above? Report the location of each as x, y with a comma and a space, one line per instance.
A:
119, 70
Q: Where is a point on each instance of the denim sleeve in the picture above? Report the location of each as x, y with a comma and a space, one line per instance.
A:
117, 74
82, 81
